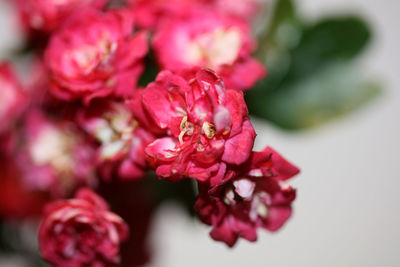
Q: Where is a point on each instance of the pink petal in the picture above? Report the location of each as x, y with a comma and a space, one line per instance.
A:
284, 168
244, 188
163, 149
224, 233
222, 119
237, 108
238, 149
156, 102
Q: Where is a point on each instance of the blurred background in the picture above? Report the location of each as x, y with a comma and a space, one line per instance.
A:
346, 213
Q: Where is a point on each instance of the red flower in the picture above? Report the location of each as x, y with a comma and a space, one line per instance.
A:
253, 197
81, 232
212, 40
205, 126
122, 139
45, 16
96, 54
12, 98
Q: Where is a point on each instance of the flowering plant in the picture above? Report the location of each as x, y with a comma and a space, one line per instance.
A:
121, 92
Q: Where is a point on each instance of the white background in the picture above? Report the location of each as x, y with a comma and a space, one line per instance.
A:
347, 212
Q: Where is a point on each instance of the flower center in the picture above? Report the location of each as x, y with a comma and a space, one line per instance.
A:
53, 147
89, 56
186, 127
208, 130
115, 131
259, 206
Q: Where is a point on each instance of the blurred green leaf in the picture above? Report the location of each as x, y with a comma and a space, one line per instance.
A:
284, 14
327, 41
335, 91
282, 33
309, 67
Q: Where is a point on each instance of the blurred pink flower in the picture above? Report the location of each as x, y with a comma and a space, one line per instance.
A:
81, 232
96, 54
212, 40
150, 13
45, 16
122, 140
246, 9
55, 156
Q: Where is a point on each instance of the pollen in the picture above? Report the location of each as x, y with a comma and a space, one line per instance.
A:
209, 130
183, 123
187, 128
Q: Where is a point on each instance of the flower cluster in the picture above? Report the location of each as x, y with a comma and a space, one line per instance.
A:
94, 114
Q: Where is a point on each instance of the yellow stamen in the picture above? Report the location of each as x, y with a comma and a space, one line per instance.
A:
209, 130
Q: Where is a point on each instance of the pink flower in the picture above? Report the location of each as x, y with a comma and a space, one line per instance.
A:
55, 156
96, 54
81, 232
149, 13
12, 98
205, 126
122, 140
246, 9
45, 16
212, 40
253, 197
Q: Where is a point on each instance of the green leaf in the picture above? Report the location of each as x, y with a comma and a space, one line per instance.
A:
332, 39
284, 13
333, 92
302, 60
